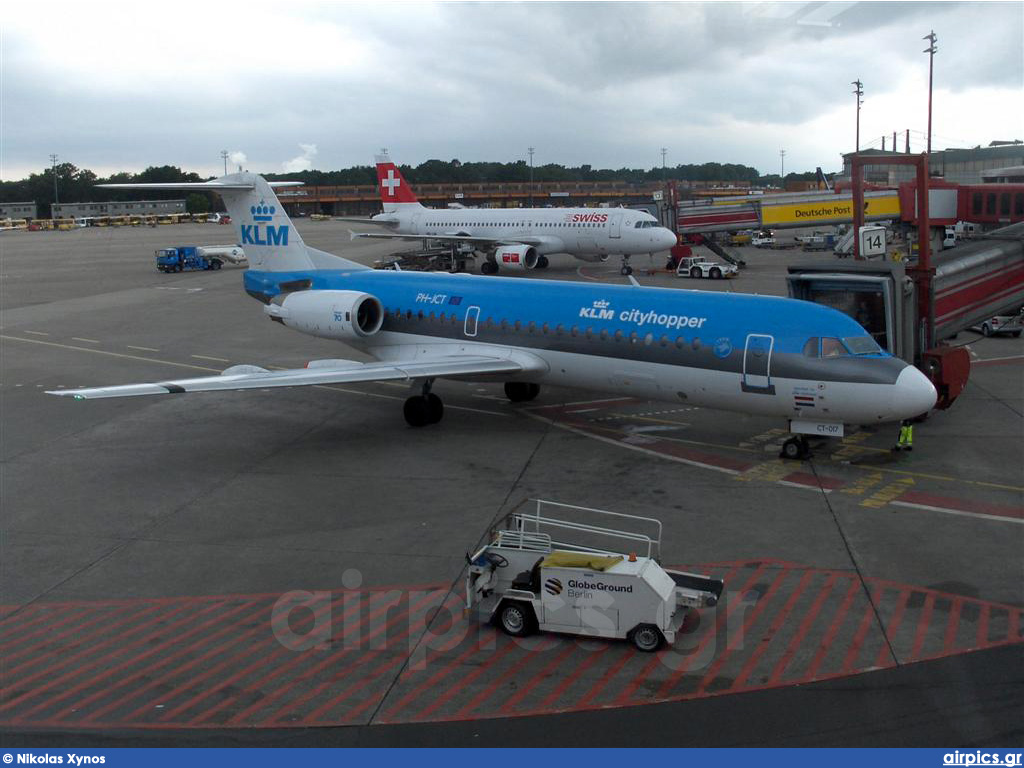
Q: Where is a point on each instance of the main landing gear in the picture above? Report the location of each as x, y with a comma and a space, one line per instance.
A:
626, 269
423, 409
796, 448
427, 408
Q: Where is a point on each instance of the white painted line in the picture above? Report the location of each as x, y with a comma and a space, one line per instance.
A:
997, 359
960, 512
37, 333
143, 349
215, 359
87, 341
647, 451
584, 410
593, 402
805, 486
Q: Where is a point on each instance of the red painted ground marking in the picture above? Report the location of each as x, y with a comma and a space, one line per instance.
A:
176, 670
362, 706
434, 679
153, 650
281, 714
962, 505
720, 621
776, 625
1013, 620
803, 629
922, 625
465, 680
40, 617
311, 616
75, 629
814, 481
272, 674
862, 631
830, 635
92, 665
523, 692
751, 617
629, 654
562, 687
887, 653
515, 668
952, 625
983, 616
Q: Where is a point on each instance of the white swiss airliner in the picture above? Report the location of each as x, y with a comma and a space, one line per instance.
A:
518, 238
762, 355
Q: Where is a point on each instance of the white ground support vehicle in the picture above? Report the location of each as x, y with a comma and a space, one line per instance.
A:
526, 580
698, 266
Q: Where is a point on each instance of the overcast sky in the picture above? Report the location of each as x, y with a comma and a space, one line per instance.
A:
292, 85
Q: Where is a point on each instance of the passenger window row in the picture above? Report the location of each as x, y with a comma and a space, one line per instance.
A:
546, 329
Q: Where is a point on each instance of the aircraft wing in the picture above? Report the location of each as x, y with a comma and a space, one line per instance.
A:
319, 372
454, 237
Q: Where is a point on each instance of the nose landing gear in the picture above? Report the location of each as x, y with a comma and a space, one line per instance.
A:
795, 448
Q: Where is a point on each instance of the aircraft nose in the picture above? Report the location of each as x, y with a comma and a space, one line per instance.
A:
915, 394
666, 239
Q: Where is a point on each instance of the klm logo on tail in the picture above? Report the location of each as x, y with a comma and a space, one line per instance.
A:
268, 234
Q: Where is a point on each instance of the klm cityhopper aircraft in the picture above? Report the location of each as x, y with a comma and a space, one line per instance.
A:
761, 355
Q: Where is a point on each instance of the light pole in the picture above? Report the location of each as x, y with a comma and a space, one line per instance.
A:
224, 157
782, 168
664, 151
858, 91
930, 50
529, 151
53, 164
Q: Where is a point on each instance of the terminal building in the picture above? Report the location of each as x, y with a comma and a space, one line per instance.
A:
958, 166
118, 208
18, 211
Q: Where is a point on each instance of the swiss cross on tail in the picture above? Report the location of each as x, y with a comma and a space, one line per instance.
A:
393, 188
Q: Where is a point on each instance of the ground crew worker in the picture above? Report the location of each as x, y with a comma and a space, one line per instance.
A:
906, 441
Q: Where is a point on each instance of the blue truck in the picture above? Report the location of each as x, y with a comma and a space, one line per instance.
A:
185, 258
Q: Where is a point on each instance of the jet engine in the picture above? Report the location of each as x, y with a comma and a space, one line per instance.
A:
345, 315
515, 257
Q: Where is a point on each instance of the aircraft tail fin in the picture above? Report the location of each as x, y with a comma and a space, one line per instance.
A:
264, 230
395, 192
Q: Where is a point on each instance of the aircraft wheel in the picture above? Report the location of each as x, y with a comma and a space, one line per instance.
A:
435, 408
542, 262
625, 271
794, 449
488, 268
521, 391
417, 411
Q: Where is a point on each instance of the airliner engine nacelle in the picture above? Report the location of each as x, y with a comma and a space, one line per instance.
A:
516, 257
345, 315
592, 257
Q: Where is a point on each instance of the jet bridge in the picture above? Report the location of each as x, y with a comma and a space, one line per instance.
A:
971, 283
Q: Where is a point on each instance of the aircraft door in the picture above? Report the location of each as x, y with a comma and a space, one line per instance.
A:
472, 317
757, 364
614, 222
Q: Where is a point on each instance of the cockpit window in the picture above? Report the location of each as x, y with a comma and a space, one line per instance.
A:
645, 224
831, 347
862, 345
811, 347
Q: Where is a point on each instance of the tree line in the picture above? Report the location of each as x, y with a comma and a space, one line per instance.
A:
78, 185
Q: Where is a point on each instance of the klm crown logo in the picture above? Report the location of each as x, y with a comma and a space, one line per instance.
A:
262, 212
